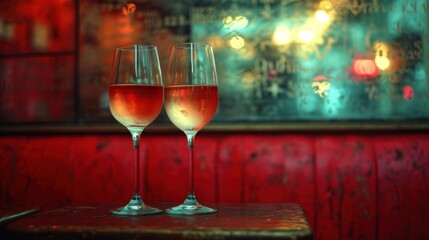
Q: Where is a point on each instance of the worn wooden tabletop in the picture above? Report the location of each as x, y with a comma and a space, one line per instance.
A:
232, 221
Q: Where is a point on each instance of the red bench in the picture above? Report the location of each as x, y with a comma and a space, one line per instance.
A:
351, 186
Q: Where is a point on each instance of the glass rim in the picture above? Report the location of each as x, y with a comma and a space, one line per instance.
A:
192, 44
136, 47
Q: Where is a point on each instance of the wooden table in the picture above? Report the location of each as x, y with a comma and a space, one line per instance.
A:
232, 221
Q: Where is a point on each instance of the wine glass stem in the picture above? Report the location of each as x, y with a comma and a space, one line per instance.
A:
191, 138
136, 144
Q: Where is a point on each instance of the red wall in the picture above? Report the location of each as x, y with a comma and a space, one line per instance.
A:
351, 186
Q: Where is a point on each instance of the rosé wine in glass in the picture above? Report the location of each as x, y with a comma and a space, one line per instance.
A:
135, 105
191, 107
191, 101
136, 95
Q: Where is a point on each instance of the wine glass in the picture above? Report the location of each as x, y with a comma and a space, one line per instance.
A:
191, 100
135, 98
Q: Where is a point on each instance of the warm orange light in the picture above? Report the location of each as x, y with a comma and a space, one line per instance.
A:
387, 57
364, 68
326, 5
382, 62
129, 9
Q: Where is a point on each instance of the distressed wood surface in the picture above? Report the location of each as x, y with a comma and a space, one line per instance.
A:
278, 169
345, 188
168, 169
403, 198
230, 170
232, 221
102, 170
35, 171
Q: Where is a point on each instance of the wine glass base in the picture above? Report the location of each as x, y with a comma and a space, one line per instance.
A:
190, 210
135, 210
135, 207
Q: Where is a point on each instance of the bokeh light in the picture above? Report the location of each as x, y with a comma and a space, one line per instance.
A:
326, 5
129, 9
322, 16
321, 86
408, 93
306, 36
281, 36
235, 23
364, 68
382, 62
236, 42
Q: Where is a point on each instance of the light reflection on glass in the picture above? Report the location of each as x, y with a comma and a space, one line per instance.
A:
347, 44
392, 34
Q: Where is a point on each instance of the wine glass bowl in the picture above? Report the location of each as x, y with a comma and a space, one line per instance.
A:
191, 101
191, 107
136, 97
134, 105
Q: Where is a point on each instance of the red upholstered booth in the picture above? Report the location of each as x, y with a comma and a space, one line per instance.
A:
351, 185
